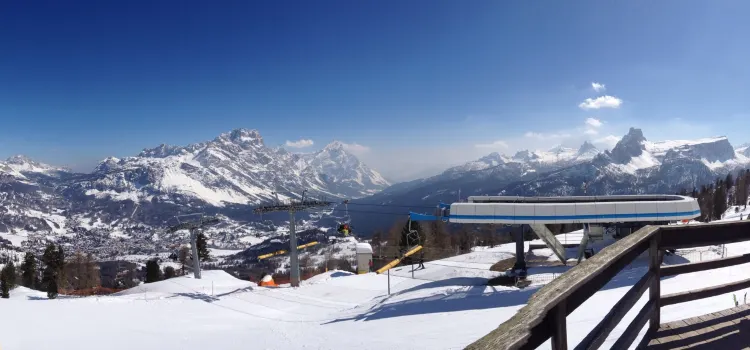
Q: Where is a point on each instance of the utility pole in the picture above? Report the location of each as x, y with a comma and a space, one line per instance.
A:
194, 227
293, 207
196, 258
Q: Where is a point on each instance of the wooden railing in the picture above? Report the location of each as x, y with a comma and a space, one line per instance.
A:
544, 316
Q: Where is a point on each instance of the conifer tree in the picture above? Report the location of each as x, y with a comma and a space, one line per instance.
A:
203, 253
10, 269
52, 289
169, 272
720, 201
4, 284
729, 182
153, 272
28, 271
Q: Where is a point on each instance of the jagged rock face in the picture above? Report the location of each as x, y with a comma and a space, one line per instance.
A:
634, 166
234, 168
588, 150
712, 150
125, 204
629, 147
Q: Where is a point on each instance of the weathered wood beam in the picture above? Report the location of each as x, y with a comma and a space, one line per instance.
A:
559, 328
627, 337
704, 265
654, 267
599, 334
530, 326
690, 236
682, 297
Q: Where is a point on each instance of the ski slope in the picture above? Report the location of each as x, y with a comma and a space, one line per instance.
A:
445, 306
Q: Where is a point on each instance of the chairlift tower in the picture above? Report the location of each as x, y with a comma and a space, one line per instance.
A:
293, 207
194, 227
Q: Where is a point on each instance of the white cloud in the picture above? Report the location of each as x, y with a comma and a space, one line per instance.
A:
543, 136
593, 122
494, 145
592, 126
598, 87
608, 141
299, 143
591, 131
355, 148
605, 101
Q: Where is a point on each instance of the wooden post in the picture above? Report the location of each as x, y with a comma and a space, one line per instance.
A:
654, 289
559, 328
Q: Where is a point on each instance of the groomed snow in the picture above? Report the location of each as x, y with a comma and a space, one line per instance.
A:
445, 306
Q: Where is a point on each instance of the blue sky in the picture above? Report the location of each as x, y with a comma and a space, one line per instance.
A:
441, 82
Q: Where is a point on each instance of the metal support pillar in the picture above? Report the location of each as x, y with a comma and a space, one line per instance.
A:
196, 258
389, 281
520, 254
584, 242
293, 257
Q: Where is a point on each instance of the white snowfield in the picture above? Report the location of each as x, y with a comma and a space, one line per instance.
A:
446, 306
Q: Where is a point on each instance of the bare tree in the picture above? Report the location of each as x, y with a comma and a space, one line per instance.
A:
183, 257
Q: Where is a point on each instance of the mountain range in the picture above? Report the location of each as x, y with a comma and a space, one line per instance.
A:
124, 205
634, 165
132, 200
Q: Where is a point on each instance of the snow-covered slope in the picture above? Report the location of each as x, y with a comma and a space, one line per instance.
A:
445, 306
234, 168
125, 204
634, 165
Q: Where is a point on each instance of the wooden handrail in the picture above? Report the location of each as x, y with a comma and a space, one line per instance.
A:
544, 316
599, 334
531, 326
704, 265
691, 295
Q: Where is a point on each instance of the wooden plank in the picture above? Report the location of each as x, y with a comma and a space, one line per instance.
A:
627, 337
691, 236
704, 265
599, 334
655, 287
559, 328
582, 294
677, 298
529, 327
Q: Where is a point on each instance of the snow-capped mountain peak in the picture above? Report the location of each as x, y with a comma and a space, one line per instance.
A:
235, 167
242, 137
630, 146
587, 148
334, 146
23, 164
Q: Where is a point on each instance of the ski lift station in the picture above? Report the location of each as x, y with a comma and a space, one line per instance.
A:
621, 214
582, 209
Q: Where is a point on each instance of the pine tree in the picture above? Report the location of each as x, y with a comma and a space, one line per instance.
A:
7, 279
203, 253
729, 182
10, 269
52, 289
182, 256
720, 201
4, 283
28, 270
153, 272
50, 267
60, 263
169, 272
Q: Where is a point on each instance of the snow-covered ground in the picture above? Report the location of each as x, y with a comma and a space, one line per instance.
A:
445, 306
